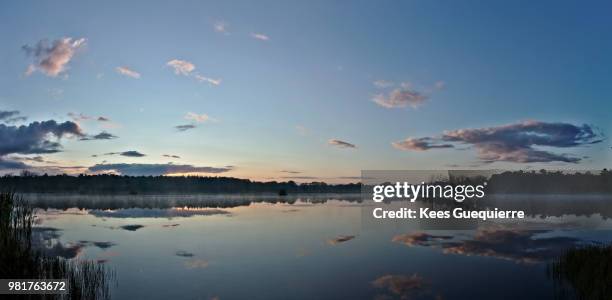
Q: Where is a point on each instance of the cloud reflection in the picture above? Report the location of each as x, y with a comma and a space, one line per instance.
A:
521, 246
340, 239
156, 212
403, 286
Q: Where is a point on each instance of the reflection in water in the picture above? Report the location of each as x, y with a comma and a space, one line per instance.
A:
516, 245
92, 202
21, 255
183, 253
156, 212
47, 240
196, 264
583, 273
402, 286
131, 227
340, 239
301, 250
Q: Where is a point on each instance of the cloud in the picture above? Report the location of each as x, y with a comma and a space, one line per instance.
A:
420, 144
260, 36
186, 68
131, 153
154, 169
341, 144
513, 142
212, 81
127, 72
34, 138
290, 172
301, 177
100, 136
171, 156
220, 27
381, 84
184, 127
340, 239
197, 118
400, 97
77, 117
103, 119
10, 116
181, 67
11, 164
52, 59
302, 130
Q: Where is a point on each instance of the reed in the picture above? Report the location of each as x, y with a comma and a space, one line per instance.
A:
583, 273
19, 260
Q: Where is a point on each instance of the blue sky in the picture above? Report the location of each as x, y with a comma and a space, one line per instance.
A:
296, 75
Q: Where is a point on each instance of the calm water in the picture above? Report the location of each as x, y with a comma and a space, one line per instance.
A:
246, 247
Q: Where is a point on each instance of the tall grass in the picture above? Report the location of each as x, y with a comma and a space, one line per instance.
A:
19, 260
583, 273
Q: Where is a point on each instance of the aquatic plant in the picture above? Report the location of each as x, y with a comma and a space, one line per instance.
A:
583, 273
20, 260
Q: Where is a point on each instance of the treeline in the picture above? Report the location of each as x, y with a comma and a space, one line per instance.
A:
549, 182
136, 185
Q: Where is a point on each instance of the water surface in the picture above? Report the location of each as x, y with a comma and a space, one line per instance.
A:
266, 247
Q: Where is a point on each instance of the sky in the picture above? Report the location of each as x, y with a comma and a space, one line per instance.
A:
303, 90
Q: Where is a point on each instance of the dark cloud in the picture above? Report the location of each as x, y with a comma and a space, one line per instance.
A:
10, 116
171, 156
77, 117
34, 138
9, 164
301, 177
184, 127
52, 58
38, 158
100, 136
513, 142
340, 239
132, 153
103, 119
420, 144
290, 172
154, 169
341, 144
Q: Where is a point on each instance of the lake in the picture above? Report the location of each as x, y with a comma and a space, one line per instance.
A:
269, 247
